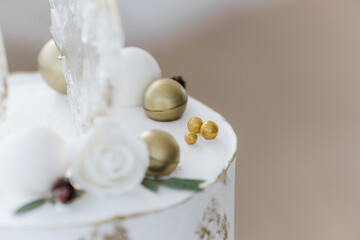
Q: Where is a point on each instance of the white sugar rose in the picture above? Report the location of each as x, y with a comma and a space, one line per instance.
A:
110, 162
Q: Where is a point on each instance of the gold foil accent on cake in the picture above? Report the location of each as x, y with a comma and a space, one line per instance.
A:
225, 180
119, 233
214, 225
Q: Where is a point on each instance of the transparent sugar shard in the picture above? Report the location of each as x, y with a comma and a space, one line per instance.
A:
4, 72
90, 37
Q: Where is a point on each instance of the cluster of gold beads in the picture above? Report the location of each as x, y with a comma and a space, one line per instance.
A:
209, 130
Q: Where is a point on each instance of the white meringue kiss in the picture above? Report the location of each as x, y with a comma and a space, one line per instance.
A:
139, 70
31, 160
110, 162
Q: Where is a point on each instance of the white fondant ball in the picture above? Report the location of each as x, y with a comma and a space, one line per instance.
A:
139, 70
31, 161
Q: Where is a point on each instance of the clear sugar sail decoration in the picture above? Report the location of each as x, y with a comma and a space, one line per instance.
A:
4, 72
90, 37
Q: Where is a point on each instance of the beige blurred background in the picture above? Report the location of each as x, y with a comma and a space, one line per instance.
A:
286, 74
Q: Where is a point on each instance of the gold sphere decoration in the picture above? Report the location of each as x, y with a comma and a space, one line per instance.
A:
209, 130
190, 138
50, 69
164, 152
165, 100
195, 124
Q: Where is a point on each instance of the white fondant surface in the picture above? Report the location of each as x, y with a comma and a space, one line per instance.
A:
32, 102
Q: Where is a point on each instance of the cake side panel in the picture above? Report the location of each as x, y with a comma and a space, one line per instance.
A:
207, 216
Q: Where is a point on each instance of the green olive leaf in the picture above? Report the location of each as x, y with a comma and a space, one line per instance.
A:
30, 206
150, 184
186, 184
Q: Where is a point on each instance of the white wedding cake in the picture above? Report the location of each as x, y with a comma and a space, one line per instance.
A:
97, 151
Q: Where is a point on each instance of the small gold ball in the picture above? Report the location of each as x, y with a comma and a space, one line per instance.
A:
190, 138
209, 130
50, 69
164, 152
194, 124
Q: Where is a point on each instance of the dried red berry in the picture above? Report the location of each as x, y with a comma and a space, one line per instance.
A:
64, 191
61, 182
66, 194
180, 80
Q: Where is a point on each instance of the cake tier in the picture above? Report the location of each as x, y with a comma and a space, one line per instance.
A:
139, 214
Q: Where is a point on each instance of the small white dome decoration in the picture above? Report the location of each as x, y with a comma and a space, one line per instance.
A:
139, 70
31, 161
108, 161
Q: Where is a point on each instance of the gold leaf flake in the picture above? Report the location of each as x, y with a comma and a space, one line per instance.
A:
119, 233
214, 225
